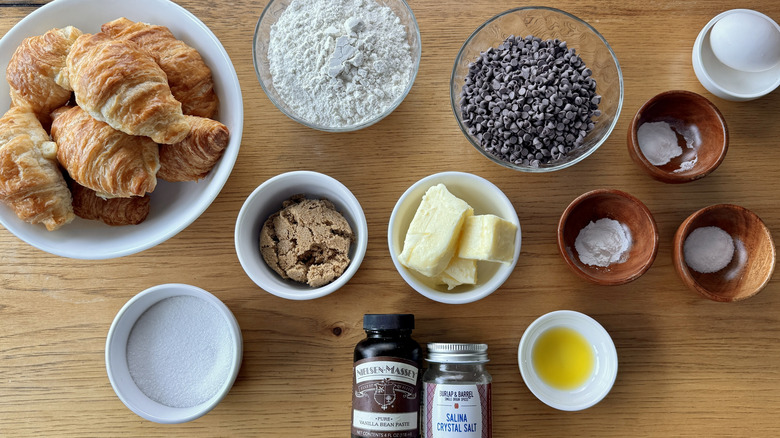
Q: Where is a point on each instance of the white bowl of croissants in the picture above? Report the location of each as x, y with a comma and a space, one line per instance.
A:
121, 122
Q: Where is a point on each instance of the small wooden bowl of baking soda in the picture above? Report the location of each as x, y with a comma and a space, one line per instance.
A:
608, 237
724, 252
678, 136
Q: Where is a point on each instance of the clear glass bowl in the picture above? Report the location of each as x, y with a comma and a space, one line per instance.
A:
274, 9
547, 23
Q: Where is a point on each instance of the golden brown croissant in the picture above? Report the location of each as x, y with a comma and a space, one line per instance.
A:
99, 157
118, 83
193, 158
35, 73
116, 211
20, 120
30, 181
188, 76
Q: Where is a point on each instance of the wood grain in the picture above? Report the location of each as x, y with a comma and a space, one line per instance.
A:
688, 366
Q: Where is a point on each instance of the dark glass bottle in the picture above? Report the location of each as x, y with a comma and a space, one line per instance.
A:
386, 379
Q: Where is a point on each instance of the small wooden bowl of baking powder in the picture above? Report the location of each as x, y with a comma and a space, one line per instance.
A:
608, 237
734, 248
678, 136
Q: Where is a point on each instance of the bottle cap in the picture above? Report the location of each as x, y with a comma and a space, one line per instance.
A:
457, 353
392, 321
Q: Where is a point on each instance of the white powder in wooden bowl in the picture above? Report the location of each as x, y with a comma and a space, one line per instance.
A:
603, 243
708, 249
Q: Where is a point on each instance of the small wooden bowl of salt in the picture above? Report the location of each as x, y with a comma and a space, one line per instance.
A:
608, 237
678, 136
724, 252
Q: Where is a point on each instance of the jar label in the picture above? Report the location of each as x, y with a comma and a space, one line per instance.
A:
385, 398
457, 411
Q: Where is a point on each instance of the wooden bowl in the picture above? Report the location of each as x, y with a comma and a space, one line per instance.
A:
691, 115
619, 206
751, 266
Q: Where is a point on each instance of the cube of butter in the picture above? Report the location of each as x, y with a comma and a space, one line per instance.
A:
433, 233
459, 271
487, 237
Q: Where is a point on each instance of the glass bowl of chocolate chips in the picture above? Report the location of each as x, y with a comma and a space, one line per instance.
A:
536, 89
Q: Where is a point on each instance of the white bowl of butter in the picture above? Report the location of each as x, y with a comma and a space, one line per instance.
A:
454, 237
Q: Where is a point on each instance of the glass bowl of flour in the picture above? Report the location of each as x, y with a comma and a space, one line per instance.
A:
337, 65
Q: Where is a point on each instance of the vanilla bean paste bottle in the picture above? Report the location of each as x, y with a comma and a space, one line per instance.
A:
386, 379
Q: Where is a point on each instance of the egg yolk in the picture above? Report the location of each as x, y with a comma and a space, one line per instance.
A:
563, 358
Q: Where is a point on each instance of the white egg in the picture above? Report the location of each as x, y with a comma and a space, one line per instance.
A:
746, 41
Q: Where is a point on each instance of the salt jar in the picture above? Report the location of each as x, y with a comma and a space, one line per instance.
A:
457, 392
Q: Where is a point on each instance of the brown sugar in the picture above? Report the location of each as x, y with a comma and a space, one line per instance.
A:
307, 241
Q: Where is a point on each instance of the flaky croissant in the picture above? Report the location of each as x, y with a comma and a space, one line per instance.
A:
97, 156
188, 76
20, 120
118, 83
192, 158
35, 72
30, 180
116, 211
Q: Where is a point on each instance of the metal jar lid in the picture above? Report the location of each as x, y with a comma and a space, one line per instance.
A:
457, 353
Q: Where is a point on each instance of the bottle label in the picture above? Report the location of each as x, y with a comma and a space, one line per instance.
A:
385, 398
457, 411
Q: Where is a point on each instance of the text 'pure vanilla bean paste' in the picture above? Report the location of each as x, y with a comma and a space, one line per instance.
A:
386, 379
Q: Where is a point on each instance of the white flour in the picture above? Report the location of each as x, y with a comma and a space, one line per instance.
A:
339, 62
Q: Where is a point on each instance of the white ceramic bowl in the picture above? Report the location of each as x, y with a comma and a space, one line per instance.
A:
266, 200
174, 205
726, 82
116, 354
271, 13
605, 368
485, 198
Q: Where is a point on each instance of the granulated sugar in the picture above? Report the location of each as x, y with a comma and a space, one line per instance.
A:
708, 249
179, 351
338, 63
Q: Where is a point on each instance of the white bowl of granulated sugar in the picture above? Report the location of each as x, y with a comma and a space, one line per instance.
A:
173, 353
349, 67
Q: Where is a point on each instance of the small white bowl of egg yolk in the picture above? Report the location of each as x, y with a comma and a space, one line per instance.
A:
567, 360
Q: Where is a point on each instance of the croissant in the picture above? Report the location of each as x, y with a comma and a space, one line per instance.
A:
188, 76
193, 158
20, 120
116, 211
99, 157
118, 83
36, 73
30, 181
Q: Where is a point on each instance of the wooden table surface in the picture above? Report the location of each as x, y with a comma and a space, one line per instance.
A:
688, 366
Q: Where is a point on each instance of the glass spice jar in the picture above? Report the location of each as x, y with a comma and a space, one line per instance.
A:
386, 379
457, 392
